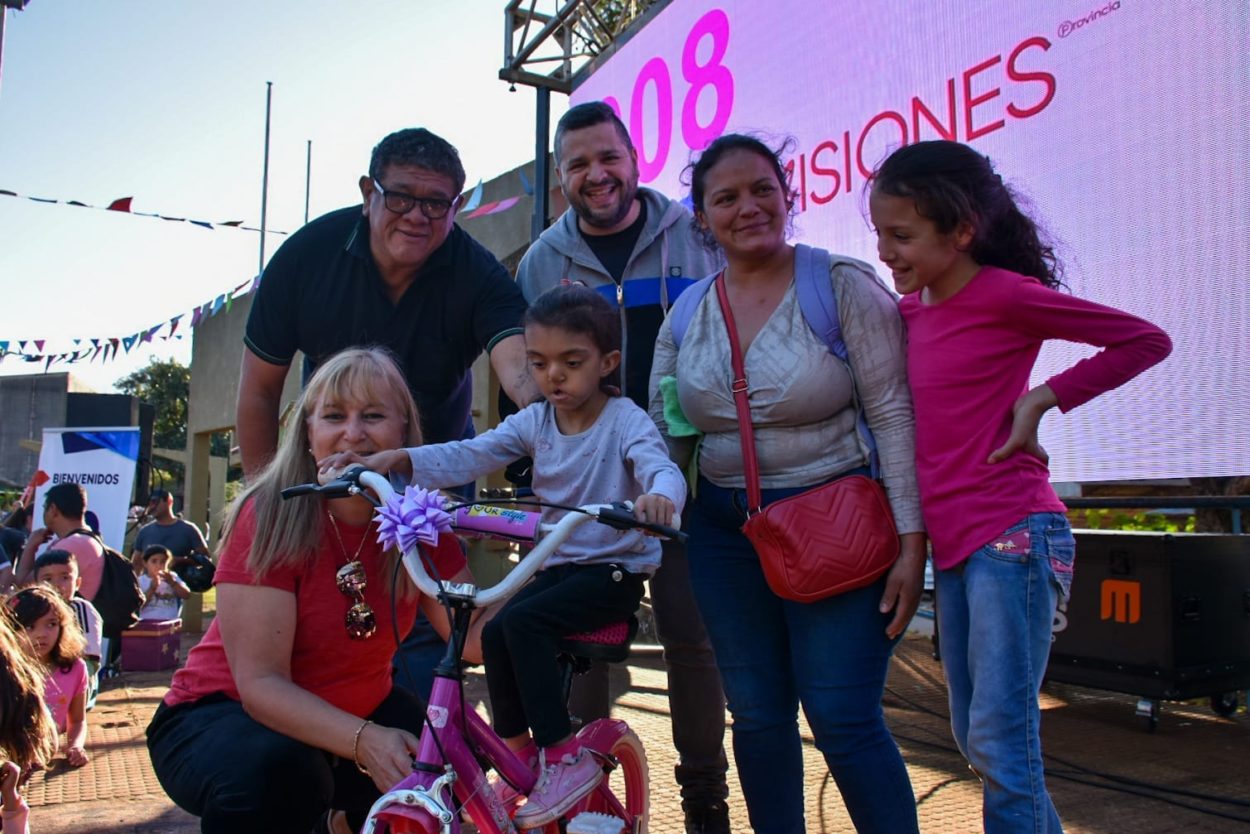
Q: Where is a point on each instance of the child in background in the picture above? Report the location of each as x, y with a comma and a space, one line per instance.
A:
980, 296
589, 446
56, 643
163, 589
27, 736
59, 568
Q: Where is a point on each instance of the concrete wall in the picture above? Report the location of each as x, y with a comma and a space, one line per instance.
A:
29, 404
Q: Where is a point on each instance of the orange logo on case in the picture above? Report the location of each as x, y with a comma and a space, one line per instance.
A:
1121, 600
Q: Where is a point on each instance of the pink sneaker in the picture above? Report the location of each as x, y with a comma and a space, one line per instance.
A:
560, 786
509, 796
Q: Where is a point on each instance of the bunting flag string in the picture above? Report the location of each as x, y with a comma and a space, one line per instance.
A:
56, 350
123, 205
474, 207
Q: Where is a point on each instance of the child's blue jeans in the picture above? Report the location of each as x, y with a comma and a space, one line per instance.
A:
995, 615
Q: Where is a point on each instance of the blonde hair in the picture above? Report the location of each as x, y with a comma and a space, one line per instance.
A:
288, 532
27, 734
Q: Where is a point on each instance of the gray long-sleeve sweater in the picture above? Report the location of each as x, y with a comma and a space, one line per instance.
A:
620, 457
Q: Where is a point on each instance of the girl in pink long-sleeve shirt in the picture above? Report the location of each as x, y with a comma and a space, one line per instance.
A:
980, 296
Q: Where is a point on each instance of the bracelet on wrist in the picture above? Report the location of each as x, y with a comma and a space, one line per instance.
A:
356, 747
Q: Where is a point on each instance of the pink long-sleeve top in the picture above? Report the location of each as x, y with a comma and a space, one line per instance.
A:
968, 360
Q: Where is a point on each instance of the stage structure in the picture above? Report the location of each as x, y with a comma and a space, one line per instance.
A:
546, 48
1123, 122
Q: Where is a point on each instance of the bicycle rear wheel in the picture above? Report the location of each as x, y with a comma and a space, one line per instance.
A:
628, 783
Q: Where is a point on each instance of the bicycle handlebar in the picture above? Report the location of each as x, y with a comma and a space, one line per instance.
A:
617, 516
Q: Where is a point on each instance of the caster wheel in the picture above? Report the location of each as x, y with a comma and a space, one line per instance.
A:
1225, 703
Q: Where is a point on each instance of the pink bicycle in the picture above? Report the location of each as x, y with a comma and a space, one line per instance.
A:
449, 779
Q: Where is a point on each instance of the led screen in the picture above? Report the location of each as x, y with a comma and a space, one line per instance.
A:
1125, 123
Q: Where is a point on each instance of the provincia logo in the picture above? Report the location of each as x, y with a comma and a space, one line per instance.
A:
1067, 27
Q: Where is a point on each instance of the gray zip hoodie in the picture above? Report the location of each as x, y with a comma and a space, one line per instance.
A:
666, 248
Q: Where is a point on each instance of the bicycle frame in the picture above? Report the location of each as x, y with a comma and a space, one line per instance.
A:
447, 768
451, 762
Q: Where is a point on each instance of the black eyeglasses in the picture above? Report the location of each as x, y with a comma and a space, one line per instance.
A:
401, 203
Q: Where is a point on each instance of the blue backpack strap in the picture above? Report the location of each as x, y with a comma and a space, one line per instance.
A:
813, 286
682, 311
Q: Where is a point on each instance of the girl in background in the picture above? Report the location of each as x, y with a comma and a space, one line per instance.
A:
163, 590
57, 644
980, 296
27, 735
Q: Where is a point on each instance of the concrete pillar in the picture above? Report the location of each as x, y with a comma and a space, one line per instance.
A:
195, 509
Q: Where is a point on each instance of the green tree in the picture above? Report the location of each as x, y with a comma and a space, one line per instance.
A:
165, 384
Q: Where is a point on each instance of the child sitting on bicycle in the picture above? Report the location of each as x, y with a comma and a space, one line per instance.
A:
589, 445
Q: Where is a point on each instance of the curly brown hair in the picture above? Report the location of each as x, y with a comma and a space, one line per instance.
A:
30, 604
27, 735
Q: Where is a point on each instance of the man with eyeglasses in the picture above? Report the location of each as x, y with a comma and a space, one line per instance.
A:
396, 272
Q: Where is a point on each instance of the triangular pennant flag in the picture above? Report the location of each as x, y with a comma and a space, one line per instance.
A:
173, 323
255, 283
128, 341
203, 223
474, 199
8, 193
47, 364
76, 203
120, 204
173, 219
217, 302
96, 352
525, 184
4, 346
39, 343
196, 315
229, 301
21, 346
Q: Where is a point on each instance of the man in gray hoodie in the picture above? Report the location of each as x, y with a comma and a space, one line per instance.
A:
636, 247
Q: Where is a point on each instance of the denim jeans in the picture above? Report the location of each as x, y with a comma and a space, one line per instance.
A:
830, 656
995, 614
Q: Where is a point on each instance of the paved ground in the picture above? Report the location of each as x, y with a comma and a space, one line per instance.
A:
1108, 773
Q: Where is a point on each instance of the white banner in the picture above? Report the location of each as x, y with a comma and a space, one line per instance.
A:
103, 462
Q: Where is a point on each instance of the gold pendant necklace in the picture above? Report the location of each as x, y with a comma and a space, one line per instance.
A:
360, 621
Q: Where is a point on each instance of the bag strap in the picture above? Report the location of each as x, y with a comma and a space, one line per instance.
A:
750, 464
683, 309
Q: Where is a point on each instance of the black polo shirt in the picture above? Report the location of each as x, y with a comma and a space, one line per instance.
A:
321, 293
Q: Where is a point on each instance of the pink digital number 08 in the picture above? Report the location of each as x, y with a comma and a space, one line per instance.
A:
712, 73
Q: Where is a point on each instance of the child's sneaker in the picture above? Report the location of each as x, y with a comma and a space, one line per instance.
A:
560, 786
509, 796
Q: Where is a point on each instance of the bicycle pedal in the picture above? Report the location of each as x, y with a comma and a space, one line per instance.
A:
590, 822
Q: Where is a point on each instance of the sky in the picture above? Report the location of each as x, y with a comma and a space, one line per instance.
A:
165, 102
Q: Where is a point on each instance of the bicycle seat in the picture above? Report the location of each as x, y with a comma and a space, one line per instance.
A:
609, 643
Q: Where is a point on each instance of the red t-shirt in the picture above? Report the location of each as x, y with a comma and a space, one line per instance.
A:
353, 675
